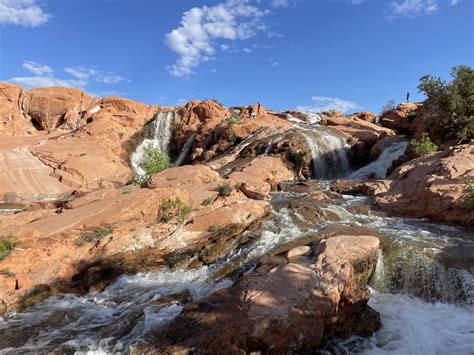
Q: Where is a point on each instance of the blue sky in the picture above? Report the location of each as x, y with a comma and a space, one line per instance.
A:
351, 55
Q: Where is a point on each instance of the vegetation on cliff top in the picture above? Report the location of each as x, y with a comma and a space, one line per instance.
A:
455, 103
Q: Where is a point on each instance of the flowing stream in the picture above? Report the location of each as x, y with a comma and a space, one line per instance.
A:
423, 285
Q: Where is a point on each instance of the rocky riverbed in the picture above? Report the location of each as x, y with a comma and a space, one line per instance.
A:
247, 244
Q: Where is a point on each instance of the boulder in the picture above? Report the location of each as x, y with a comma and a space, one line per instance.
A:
293, 308
12, 117
56, 107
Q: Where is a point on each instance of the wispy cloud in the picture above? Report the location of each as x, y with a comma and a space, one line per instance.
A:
195, 40
36, 68
411, 8
323, 103
279, 3
80, 76
22, 13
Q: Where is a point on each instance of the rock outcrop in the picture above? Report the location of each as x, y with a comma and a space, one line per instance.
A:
435, 186
304, 296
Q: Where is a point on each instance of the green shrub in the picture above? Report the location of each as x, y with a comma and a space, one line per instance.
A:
225, 189
207, 201
233, 120
7, 244
468, 198
7, 272
389, 106
239, 184
93, 236
455, 103
154, 161
423, 146
174, 209
296, 158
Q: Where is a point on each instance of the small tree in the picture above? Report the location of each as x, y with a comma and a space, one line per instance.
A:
423, 146
455, 102
154, 161
389, 106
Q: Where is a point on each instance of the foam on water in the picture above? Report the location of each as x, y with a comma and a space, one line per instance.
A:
109, 321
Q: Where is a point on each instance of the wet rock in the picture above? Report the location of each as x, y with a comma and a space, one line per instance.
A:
291, 307
181, 297
35, 294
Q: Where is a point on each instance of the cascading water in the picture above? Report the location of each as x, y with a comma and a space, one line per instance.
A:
130, 310
159, 137
378, 169
328, 153
185, 150
423, 287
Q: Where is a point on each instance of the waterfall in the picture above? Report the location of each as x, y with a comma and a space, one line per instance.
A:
328, 153
378, 169
185, 150
159, 137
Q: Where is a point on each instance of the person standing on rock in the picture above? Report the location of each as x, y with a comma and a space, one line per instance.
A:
258, 108
408, 96
251, 112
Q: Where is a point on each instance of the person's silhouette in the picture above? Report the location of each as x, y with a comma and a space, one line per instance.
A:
408, 96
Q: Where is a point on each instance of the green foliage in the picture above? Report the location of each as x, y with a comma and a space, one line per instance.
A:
207, 201
225, 189
389, 106
93, 236
455, 101
7, 244
468, 198
412, 115
7, 272
296, 158
154, 161
239, 184
423, 146
233, 120
174, 209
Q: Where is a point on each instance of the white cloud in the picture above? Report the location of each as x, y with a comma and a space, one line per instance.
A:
22, 13
247, 50
322, 103
194, 40
357, 2
81, 72
29, 82
112, 78
454, 2
411, 8
36, 68
81, 77
279, 3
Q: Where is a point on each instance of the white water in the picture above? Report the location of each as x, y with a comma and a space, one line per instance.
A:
159, 138
378, 169
185, 150
311, 118
124, 313
109, 321
328, 153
